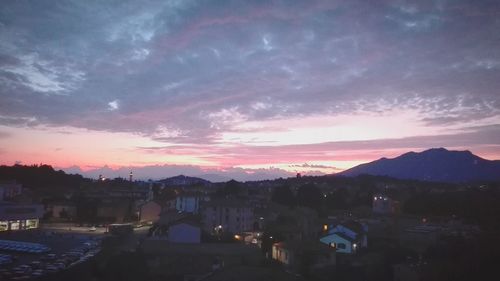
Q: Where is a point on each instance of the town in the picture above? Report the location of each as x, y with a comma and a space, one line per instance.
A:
187, 228
249, 140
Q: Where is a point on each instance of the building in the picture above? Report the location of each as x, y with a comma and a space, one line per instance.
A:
169, 204
184, 231
420, 237
114, 211
10, 190
384, 205
296, 254
149, 212
227, 216
19, 216
63, 210
189, 202
347, 237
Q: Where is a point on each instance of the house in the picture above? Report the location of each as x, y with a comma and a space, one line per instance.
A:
227, 216
347, 237
149, 212
296, 254
341, 242
184, 231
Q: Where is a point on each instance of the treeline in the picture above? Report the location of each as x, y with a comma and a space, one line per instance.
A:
480, 205
40, 176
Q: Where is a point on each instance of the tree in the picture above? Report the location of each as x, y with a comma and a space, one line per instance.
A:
310, 195
284, 196
230, 189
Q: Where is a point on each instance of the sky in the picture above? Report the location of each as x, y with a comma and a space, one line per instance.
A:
244, 89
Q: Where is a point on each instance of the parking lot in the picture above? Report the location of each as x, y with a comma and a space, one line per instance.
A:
66, 248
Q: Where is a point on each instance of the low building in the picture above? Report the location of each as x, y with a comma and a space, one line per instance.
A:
19, 216
184, 231
347, 237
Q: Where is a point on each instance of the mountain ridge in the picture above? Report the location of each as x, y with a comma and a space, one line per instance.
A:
435, 164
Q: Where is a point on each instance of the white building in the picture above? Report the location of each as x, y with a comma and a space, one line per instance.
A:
346, 237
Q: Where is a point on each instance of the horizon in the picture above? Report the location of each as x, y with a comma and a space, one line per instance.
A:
161, 172
244, 89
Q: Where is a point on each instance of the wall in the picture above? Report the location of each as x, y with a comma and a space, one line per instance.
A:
184, 233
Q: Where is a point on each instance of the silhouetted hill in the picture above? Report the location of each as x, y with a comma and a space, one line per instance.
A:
437, 164
184, 180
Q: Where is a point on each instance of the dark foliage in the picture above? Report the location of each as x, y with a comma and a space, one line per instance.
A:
40, 176
310, 195
284, 196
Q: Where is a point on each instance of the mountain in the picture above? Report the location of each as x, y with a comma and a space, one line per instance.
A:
184, 180
214, 178
437, 164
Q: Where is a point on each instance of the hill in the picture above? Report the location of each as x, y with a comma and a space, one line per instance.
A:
184, 180
437, 164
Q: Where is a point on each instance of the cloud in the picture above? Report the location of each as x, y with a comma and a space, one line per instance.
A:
4, 135
306, 165
269, 52
113, 105
195, 72
163, 171
365, 150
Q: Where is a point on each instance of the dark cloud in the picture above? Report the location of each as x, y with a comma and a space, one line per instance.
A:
164, 68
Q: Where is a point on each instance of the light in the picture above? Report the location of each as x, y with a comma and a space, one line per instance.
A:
325, 227
270, 237
354, 245
375, 198
237, 237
